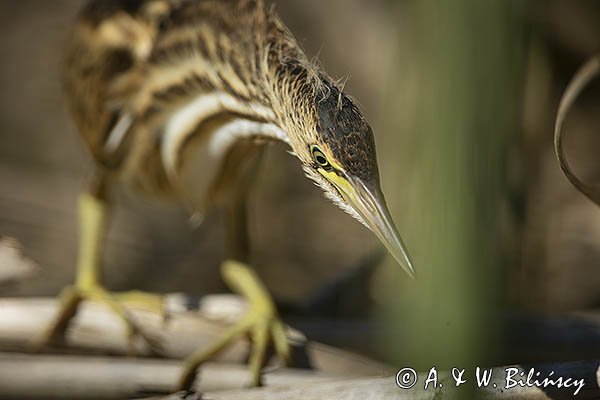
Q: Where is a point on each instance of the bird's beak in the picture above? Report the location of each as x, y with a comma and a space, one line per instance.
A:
369, 203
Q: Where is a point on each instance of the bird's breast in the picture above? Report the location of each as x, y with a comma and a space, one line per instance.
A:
198, 145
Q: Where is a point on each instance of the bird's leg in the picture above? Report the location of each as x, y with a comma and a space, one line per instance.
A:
261, 323
93, 218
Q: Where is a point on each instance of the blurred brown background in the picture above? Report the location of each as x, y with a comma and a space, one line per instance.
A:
550, 239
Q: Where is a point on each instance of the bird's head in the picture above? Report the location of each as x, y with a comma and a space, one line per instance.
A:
336, 147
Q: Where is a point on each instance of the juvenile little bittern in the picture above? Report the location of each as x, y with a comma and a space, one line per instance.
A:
176, 97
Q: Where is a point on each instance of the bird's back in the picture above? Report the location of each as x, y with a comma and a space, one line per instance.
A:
108, 46
130, 63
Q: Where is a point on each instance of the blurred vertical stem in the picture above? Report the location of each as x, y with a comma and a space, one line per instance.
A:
451, 112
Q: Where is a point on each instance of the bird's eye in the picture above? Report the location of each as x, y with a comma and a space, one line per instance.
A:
319, 157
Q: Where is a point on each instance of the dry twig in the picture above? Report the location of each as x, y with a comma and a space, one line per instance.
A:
579, 82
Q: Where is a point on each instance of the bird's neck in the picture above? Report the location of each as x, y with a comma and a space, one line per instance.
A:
243, 121
277, 114
268, 88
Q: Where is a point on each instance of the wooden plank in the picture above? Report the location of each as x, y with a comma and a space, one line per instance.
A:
58, 377
96, 330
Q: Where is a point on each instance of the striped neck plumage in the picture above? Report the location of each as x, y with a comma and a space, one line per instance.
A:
253, 120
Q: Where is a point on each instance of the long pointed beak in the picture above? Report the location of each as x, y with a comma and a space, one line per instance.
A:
368, 201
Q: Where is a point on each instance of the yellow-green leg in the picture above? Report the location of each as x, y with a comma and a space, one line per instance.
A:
261, 323
93, 218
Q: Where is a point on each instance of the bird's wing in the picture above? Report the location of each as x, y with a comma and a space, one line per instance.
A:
105, 65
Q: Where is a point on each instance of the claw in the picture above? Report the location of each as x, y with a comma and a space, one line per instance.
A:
281, 342
261, 324
260, 338
70, 299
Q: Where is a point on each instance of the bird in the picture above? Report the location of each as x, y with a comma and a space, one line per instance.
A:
176, 99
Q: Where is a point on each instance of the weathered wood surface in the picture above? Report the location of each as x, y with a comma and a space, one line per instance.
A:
82, 374
27, 376
385, 388
90, 377
176, 335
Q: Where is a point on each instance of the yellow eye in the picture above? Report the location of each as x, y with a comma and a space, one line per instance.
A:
319, 157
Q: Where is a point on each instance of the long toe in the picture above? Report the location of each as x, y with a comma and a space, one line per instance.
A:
262, 327
70, 299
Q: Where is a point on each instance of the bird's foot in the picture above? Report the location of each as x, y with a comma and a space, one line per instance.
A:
261, 324
152, 302
72, 296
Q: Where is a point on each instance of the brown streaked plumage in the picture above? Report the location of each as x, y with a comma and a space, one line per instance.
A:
125, 60
177, 97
